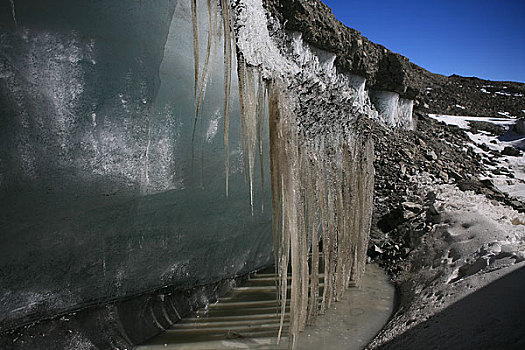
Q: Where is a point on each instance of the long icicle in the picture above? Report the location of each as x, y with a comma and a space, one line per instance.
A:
241, 75
261, 101
339, 272
313, 217
303, 238
290, 202
250, 123
227, 86
280, 238
13, 12
275, 172
325, 234
195, 56
196, 73
204, 77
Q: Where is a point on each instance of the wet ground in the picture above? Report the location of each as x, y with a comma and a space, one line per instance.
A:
248, 319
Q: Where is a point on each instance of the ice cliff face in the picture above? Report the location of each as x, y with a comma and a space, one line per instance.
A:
104, 194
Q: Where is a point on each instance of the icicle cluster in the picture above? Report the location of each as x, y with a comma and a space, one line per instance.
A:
322, 191
201, 79
321, 166
252, 99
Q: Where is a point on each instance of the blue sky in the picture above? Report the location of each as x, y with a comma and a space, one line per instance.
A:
470, 38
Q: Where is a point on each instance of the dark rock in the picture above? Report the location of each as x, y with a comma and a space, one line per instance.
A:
511, 151
430, 155
391, 220
487, 183
456, 176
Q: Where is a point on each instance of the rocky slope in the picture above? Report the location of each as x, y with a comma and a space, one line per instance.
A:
402, 214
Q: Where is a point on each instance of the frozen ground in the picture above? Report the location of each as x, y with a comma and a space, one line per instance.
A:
490, 146
463, 285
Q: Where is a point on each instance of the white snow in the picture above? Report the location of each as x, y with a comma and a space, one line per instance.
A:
516, 165
463, 121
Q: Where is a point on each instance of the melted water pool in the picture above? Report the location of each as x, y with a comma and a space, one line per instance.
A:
249, 319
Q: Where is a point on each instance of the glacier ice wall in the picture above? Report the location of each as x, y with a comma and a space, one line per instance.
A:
103, 192
113, 186
393, 110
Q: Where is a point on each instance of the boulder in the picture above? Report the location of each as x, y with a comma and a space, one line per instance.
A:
511, 151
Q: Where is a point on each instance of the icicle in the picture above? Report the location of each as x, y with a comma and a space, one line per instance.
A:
248, 119
323, 198
275, 172
261, 101
346, 201
13, 13
204, 76
312, 209
332, 242
241, 75
280, 215
195, 58
303, 238
251, 127
290, 203
227, 86
340, 286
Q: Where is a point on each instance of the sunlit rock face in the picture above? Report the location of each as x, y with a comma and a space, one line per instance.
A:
104, 194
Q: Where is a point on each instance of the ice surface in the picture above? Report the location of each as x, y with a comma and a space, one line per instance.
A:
404, 114
100, 195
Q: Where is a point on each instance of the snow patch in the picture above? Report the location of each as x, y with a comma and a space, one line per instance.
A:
484, 144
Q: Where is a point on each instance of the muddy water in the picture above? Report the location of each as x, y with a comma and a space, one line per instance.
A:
248, 319
357, 319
